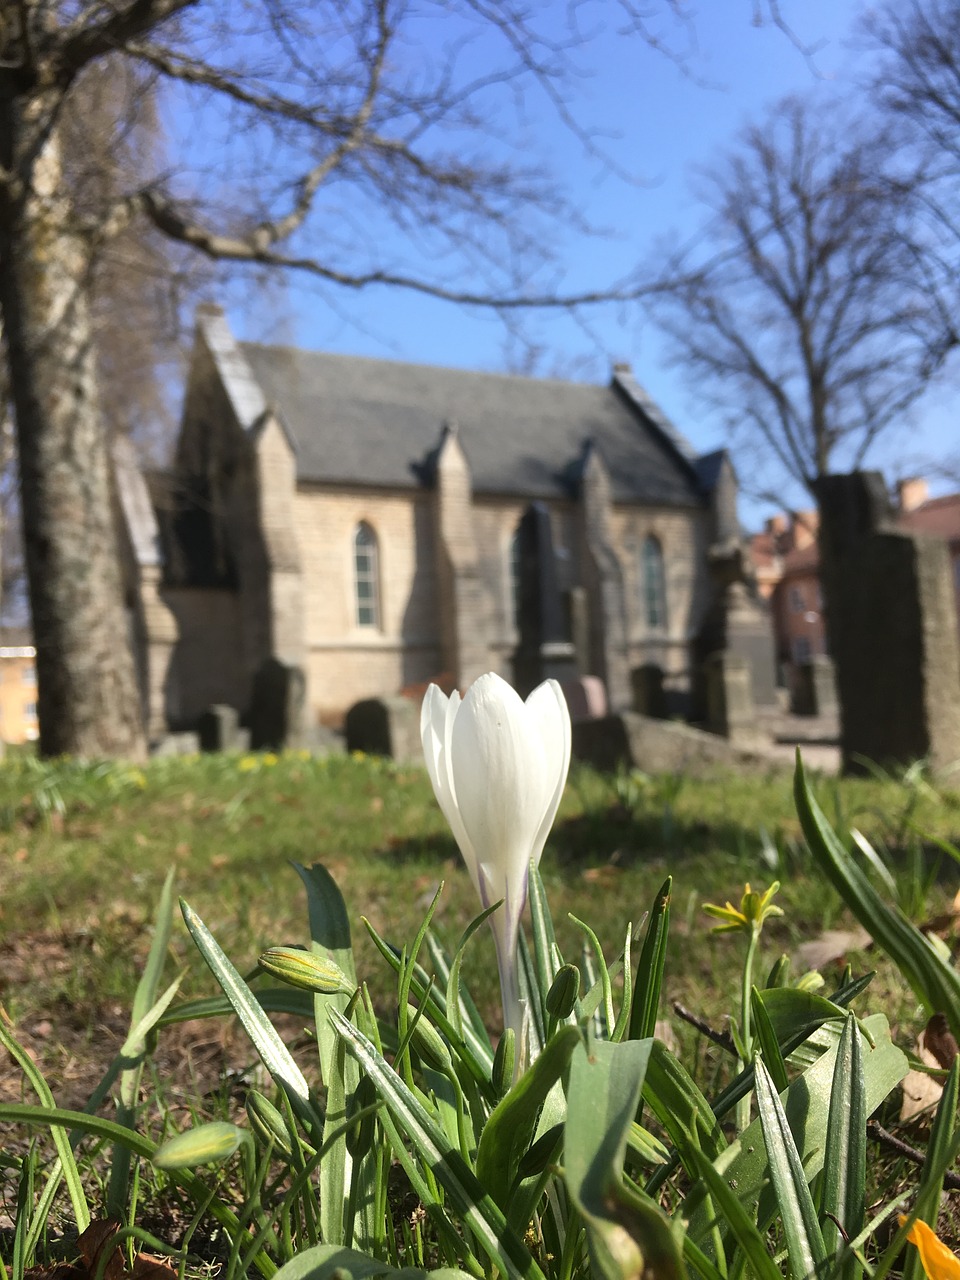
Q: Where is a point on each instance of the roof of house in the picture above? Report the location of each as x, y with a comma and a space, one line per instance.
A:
356, 420
937, 516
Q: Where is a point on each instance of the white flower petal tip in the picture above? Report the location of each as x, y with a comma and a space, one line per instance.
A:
498, 766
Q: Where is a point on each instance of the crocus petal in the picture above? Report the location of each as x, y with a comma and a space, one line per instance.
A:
501, 784
936, 1259
437, 715
550, 721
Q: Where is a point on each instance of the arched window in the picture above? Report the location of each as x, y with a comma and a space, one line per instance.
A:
654, 584
366, 574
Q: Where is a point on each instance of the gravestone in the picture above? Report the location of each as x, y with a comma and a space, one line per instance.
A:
586, 697
892, 625
730, 707
737, 622
545, 649
649, 695
814, 689
277, 706
218, 728
578, 623
660, 746
387, 726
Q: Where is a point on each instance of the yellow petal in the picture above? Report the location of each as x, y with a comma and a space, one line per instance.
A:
935, 1258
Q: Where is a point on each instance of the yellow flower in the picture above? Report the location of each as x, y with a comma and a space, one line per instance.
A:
269, 760
247, 764
749, 916
936, 1259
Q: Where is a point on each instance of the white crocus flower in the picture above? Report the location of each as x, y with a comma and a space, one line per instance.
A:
498, 766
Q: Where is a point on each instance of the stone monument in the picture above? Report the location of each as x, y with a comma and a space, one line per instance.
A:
891, 621
737, 622
277, 706
545, 649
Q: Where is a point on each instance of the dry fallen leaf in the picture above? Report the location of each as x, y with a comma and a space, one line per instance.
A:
832, 947
96, 1243
936, 1047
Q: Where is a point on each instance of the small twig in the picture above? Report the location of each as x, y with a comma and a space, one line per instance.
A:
886, 1139
720, 1038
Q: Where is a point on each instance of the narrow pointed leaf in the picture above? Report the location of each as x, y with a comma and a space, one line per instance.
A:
509, 1131
845, 1156
628, 1235
935, 982
273, 1052
769, 1045
797, 1214
742, 1226
477, 1209
653, 955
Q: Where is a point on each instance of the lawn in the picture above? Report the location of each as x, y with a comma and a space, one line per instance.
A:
85, 850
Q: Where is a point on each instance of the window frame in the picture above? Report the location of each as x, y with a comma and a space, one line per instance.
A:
653, 583
366, 547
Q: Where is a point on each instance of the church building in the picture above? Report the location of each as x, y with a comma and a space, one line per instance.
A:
360, 518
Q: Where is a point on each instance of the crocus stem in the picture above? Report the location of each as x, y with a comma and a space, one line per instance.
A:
513, 1010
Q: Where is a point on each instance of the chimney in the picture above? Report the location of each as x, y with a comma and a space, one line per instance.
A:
803, 528
911, 493
776, 525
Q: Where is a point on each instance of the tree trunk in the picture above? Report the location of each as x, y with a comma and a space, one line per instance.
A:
88, 703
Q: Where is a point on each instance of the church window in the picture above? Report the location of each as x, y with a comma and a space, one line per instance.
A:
366, 576
654, 583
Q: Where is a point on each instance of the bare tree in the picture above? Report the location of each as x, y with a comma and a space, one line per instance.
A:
918, 87
805, 313
299, 130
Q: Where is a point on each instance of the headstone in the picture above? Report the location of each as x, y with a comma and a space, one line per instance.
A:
738, 622
586, 697
649, 695
730, 707
659, 746
218, 728
891, 621
578, 623
387, 726
277, 706
545, 649
176, 744
814, 689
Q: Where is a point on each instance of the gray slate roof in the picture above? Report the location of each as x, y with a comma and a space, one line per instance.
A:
355, 420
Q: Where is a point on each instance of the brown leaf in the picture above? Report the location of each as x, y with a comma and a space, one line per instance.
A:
944, 925
96, 1242
938, 1040
922, 1091
832, 946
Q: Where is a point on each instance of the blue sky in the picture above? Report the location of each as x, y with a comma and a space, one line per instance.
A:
665, 124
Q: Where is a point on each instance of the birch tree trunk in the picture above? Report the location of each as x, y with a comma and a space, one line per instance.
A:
88, 699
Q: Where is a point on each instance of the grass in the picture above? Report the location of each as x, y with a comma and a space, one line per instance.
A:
85, 850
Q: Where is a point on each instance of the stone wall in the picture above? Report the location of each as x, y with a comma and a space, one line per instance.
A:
344, 661
684, 539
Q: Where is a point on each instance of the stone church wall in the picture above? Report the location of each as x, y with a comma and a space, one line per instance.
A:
684, 539
346, 662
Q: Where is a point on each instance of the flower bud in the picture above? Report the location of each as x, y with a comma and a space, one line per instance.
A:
268, 1124
303, 969
563, 992
206, 1144
429, 1043
503, 1062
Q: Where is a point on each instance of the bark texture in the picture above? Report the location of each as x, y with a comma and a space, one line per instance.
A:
89, 702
